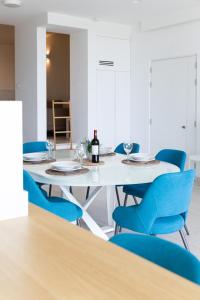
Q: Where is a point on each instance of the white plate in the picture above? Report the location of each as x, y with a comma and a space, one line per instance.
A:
65, 166
142, 157
105, 150
37, 156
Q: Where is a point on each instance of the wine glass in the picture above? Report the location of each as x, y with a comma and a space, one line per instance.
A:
81, 153
128, 147
50, 148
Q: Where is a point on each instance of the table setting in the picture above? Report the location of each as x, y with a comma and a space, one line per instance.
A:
138, 159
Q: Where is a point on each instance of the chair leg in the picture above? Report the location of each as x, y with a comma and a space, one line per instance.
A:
78, 223
183, 237
125, 199
87, 193
117, 194
50, 190
116, 229
186, 229
70, 189
135, 200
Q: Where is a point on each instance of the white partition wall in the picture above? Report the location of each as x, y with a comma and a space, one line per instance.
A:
13, 200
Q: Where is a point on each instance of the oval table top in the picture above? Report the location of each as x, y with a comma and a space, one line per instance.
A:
113, 172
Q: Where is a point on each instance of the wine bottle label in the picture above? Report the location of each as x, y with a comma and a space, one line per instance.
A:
95, 150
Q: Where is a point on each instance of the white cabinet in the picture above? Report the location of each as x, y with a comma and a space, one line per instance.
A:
113, 91
113, 107
113, 50
106, 107
122, 107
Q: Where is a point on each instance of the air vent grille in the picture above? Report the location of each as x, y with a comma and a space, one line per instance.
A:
108, 63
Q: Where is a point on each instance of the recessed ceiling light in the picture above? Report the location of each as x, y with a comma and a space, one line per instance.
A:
12, 3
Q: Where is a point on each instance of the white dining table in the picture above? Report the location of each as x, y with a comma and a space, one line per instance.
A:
113, 172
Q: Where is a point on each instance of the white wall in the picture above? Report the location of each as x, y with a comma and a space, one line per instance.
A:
30, 74
79, 84
13, 200
168, 42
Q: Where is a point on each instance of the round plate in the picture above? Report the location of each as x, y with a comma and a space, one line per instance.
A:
65, 166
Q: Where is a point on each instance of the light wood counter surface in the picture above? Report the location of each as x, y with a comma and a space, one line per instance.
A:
43, 257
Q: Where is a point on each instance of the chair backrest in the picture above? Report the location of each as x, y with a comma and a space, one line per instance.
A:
163, 253
32, 147
175, 157
35, 195
120, 148
169, 195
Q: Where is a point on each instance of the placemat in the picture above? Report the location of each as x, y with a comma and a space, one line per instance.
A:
108, 154
136, 163
46, 161
76, 172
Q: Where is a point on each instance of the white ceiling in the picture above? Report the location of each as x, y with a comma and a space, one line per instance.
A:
120, 11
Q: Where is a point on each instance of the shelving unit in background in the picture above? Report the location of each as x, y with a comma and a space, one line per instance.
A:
66, 105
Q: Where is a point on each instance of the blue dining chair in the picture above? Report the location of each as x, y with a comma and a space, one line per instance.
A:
36, 146
31, 147
164, 208
175, 157
120, 150
56, 205
163, 253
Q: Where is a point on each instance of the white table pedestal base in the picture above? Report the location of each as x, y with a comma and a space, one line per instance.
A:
89, 221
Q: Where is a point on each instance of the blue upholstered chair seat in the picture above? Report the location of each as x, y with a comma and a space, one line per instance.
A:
127, 217
164, 207
163, 253
56, 205
63, 208
138, 190
167, 225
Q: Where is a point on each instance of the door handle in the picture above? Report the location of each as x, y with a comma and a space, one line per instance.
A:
183, 127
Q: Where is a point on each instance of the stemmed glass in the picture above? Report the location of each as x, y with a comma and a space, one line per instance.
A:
128, 147
81, 153
50, 148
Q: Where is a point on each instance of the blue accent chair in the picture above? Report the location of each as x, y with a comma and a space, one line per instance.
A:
175, 157
56, 205
163, 253
32, 147
164, 207
120, 150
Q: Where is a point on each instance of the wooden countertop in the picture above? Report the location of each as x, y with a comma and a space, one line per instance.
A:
44, 257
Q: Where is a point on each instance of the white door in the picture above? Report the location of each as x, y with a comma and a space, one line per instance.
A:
173, 104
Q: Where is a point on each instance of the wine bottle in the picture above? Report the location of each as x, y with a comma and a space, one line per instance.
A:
95, 148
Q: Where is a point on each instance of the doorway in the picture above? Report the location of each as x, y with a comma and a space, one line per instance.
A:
173, 104
7, 62
58, 86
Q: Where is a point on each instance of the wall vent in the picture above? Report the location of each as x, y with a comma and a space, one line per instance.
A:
108, 63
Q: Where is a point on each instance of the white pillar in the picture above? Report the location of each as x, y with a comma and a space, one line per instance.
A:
30, 75
13, 200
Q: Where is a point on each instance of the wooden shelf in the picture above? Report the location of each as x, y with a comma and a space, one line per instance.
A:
68, 131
